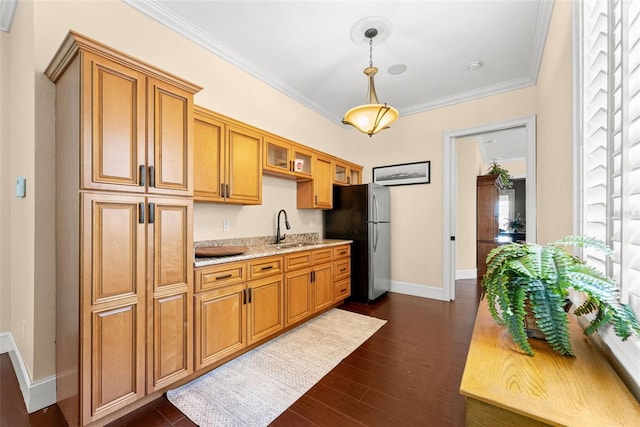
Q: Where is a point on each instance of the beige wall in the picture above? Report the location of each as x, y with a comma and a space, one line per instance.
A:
5, 289
468, 166
554, 137
416, 211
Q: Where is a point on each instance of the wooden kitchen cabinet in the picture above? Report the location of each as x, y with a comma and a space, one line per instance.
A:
170, 322
286, 158
233, 312
119, 231
322, 282
317, 193
112, 311
297, 295
265, 314
220, 324
228, 160
341, 272
118, 104
309, 285
345, 173
124, 267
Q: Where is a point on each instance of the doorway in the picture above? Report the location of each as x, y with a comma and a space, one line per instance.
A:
528, 124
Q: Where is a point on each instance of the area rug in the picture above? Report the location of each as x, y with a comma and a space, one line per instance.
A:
253, 389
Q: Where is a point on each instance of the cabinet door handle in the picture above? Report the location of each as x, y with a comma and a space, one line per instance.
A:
249, 291
141, 213
152, 177
316, 200
221, 190
152, 213
343, 291
267, 267
342, 270
226, 276
291, 165
142, 172
313, 276
244, 296
227, 193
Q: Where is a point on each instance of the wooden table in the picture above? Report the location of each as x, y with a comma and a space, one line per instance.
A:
505, 387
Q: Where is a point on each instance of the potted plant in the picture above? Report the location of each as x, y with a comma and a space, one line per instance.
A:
521, 276
516, 224
503, 174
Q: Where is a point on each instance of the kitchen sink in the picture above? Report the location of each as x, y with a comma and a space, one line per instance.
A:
293, 245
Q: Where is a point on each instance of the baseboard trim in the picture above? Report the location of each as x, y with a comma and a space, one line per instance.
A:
466, 274
424, 291
36, 394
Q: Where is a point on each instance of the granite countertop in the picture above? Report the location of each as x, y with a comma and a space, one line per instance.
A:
264, 250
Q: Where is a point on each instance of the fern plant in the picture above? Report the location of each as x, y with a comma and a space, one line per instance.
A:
504, 176
541, 277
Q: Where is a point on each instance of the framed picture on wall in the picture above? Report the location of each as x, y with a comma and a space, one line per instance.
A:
404, 174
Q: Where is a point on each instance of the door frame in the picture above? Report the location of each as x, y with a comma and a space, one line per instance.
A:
449, 171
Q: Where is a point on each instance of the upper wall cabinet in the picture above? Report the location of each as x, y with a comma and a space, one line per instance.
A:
317, 193
285, 158
136, 124
227, 160
345, 173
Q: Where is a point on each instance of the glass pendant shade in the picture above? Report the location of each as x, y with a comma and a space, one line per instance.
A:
373, 117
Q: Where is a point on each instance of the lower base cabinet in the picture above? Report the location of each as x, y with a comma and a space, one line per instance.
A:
220, 324
243, 304
238, 304
298, 294
265, 314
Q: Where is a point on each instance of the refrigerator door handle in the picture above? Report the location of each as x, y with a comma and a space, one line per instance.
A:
375, 206
375, 239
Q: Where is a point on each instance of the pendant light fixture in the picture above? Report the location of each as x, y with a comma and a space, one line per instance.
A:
371, 118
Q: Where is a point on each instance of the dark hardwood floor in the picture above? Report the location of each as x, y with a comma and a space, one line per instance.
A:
407, 374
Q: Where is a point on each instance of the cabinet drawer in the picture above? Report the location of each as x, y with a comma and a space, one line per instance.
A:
342, 252
342, 289
212, 277
342, 269
297, 260
262, 267
320, 256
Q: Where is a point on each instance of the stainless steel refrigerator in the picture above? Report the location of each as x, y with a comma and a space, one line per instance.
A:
362, 213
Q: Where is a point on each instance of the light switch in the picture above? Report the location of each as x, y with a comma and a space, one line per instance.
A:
21, 186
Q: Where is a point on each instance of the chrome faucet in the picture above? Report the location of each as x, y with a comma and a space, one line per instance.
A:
280, 238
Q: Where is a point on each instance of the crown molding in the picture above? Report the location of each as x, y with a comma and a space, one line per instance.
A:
161, 14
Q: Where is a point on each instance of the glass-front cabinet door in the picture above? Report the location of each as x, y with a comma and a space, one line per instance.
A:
284, 157
277, 155
340, 174
355, 175
346, 173
302, 161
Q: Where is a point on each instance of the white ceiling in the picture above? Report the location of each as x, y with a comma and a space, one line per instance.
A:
503, 145
305, 48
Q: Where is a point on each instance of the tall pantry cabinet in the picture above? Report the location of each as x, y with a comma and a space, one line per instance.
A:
124, 228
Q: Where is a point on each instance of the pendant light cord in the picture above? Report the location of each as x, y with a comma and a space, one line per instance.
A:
371, 52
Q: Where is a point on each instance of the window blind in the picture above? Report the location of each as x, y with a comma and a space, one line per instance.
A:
610, 136
595, 118
631, 169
